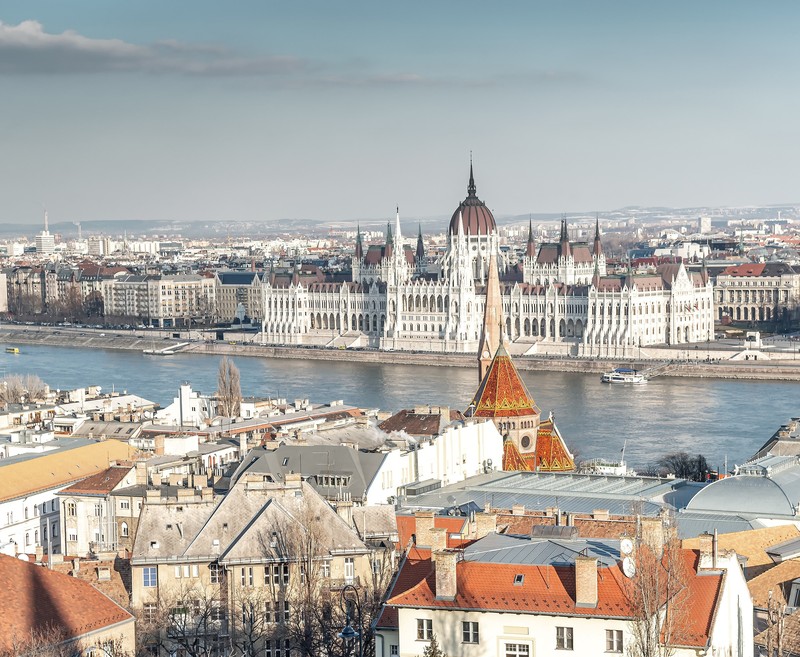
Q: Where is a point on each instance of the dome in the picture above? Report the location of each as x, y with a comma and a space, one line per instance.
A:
476, 218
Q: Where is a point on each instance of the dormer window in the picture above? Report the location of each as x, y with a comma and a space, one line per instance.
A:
519, 579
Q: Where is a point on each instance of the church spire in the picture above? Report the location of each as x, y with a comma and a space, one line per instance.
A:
420, 246
564, 240
530, 250
359, 244
471, 189
492, 321
598, 247
397, 235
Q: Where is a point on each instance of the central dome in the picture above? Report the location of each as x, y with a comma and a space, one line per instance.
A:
476, 218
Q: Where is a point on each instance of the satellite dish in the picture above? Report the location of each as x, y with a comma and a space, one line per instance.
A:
628, 567
626, 546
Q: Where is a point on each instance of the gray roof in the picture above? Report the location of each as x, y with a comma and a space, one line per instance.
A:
766, 487
570, 492
502, 548
691, 523
313, 462
241, 526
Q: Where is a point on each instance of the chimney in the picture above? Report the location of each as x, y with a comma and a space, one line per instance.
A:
485, 523
141, 473
424, 523
585, 581
518, 510
445, 566
601, 514
344, 508
706, 559
185, 494
206, 494
158, 445
76, 566
153, 495
438, 540
39, 553
293, 480
653, 534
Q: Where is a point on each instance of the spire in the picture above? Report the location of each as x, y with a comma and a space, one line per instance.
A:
397, 234
420, 246
530, 250
359, 245
471, 189
46, 227
491, 336
598, 247
565, 247
387, 252
388, 232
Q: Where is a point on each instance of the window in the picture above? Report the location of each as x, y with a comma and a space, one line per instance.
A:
563, 638
149, 610
349, 570
247, 576
394, 650
98, 510
286, 573
469, 632
325, 570
71, 509
149, 576
276, 574
424, 629
124, 504
123, 530
286, 612
214, 570
54, 533
517, 650
613, 640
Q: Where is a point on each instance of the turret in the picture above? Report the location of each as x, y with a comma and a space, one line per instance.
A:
564, 239
420, 254
359, 245
530, 250
389, 240
598, 248
492, 321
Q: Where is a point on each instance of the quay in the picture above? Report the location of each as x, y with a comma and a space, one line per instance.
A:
699, 361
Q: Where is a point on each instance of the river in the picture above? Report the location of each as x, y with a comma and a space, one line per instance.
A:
716, 417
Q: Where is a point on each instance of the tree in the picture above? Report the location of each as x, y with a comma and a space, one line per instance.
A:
655, 593
16, 388
684, 466
433, 649
229, 390
51, 641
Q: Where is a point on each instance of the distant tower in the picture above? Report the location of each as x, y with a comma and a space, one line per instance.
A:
492, 321
420, 246
530, 249
45, 242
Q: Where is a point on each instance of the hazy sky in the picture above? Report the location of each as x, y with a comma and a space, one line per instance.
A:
342, 109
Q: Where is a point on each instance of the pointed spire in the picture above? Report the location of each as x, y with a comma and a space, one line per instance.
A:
471, 189
491, 333
420, 246
530, 250
598, 247
388, 232
397, 233
565, 246
359, 244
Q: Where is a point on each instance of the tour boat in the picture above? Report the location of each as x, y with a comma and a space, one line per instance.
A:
624, 375
12, 350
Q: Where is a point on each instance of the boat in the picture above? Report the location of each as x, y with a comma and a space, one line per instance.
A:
607, 467
156, 352
624, 375
12, 350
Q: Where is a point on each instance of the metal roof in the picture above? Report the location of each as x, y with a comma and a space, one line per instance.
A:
502, 548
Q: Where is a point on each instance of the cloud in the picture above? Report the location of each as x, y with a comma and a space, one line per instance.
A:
27, 49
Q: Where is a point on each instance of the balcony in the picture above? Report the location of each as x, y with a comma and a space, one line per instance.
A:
337, 584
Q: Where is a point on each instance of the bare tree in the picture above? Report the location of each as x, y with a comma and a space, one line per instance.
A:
51, 641
16, 388
656, 592
229, 390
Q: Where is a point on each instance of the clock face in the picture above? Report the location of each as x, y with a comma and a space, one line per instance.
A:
485, 353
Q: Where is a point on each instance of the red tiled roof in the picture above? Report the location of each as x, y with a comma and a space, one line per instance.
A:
100, 483
502, 392
749, 269
545, 589
37, 599
417, 424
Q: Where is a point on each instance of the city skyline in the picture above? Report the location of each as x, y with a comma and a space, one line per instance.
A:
338, 112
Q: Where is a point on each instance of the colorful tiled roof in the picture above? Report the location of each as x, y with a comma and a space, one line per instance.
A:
407, 527
551, 453
502, 392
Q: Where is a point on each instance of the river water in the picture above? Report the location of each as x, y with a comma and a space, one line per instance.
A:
716, 417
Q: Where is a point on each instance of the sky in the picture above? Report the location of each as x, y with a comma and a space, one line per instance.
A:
262, 111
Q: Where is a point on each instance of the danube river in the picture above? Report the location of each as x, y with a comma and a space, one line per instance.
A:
718, 418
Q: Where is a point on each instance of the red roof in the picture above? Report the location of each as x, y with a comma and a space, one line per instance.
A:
550, 454
99, 484
37, 599
502, 392
487, 586
749, 269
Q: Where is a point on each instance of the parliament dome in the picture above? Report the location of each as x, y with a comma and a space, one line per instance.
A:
476, 218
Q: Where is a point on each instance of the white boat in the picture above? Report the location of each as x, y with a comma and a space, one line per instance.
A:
607, 467
624, 375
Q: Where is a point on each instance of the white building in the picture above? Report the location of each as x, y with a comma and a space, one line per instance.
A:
559, 296
519, 596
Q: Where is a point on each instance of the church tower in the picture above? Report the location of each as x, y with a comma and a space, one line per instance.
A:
492, 321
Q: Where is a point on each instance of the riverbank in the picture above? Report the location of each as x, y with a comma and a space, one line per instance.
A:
16, 335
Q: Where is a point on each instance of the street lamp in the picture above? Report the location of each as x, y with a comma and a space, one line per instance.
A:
349, 634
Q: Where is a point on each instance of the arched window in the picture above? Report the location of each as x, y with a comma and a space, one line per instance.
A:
123, 530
